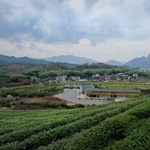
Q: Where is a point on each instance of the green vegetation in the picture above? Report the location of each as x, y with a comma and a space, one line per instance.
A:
49, 90
32, 91
5, 104
61, 129
126, 85
83, 73
14, 80
44, 73
53, 105
116, 126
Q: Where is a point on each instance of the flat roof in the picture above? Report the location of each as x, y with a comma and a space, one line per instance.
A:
86, 87
106, 90
72, 85
92, 89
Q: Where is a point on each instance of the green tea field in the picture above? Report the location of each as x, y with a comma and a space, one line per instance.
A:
116, 126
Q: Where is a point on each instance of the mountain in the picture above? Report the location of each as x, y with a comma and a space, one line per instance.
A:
114, 63
71, 59
21, 60
142, 62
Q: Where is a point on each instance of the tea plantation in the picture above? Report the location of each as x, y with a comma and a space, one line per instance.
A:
116, 126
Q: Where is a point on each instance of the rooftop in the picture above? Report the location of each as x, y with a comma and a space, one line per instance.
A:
106, 90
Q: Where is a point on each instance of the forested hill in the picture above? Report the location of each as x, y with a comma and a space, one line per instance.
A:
19, 67
115, 126
93, 66
22, 60
71, 59
142, 62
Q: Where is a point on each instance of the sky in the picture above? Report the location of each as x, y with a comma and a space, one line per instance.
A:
98, 29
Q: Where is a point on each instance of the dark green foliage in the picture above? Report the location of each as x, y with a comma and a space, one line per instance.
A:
31, 95
143, 112
9, 92
14, 80
139, 138
5, 104
24, 93
53, 105
49, 92
84, 71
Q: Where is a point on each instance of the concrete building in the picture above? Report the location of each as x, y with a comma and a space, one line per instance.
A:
111, 93
72, 86
33, 80
90, 91
61, 78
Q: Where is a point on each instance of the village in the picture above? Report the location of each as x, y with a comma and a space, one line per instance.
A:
95, 78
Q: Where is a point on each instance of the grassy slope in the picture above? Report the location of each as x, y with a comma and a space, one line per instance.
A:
121, 125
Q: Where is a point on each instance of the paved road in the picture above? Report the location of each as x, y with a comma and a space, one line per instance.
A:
71, 95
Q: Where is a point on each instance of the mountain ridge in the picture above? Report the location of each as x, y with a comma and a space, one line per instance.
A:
114, 63
22, 60
71, 59
141, 62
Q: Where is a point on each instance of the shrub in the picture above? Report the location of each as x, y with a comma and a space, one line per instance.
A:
5, 104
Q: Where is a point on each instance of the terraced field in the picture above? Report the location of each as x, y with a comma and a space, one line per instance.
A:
116, 126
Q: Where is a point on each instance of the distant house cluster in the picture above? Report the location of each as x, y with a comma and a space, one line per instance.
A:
58, 79
96, 78
114, 77
144, 69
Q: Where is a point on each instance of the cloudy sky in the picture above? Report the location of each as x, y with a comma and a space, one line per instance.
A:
97, 29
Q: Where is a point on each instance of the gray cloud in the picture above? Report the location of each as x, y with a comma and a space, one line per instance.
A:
89, 3
19, 46
146, 5
16, 25
55, 21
